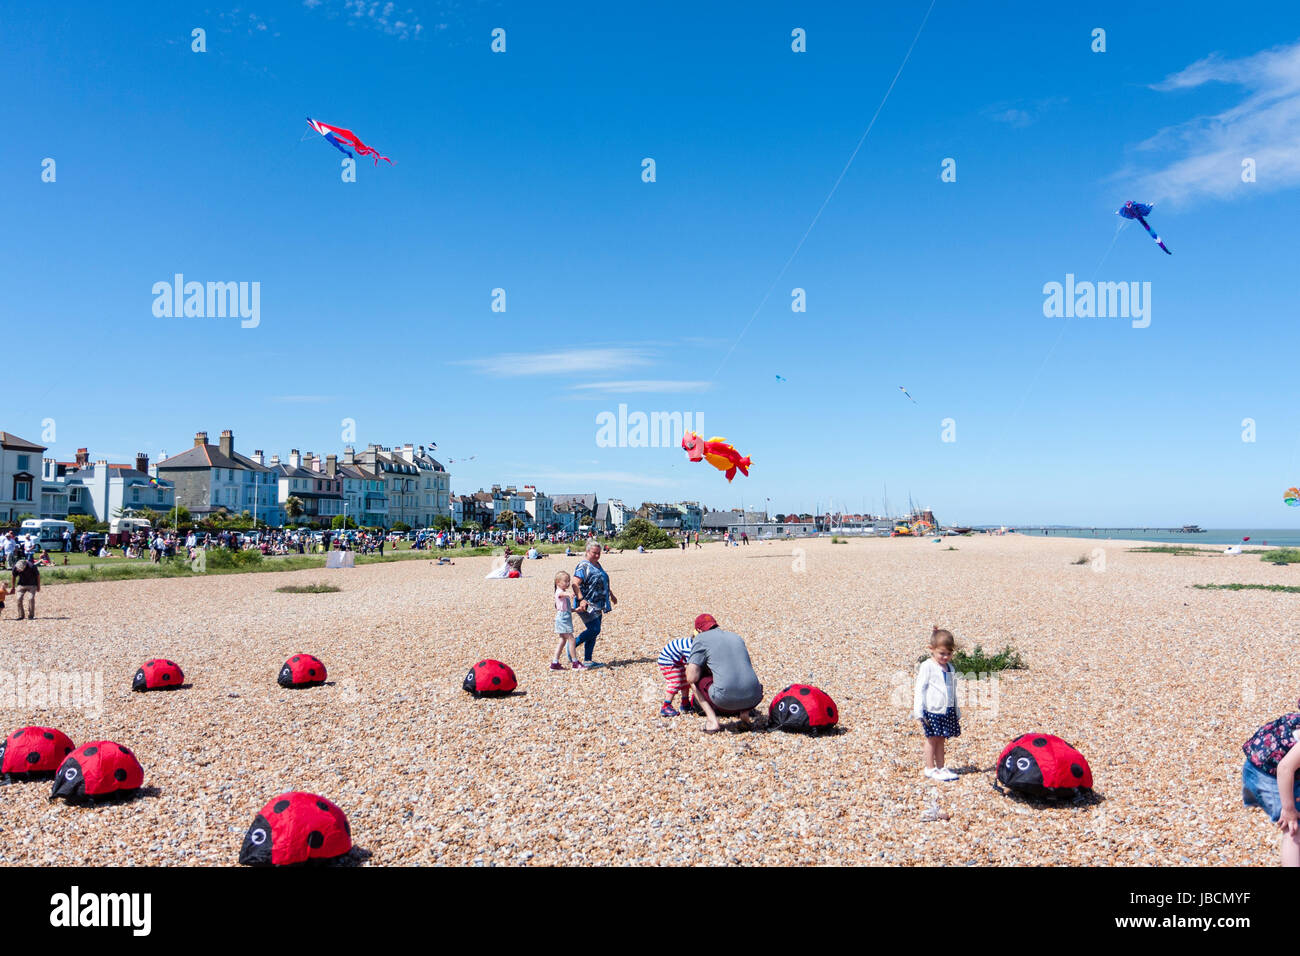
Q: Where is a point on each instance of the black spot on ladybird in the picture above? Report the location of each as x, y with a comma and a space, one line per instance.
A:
280, 806
1040, 741
33, 757
496, 680
1077, 771
315, 839
805, 691
91, 751
119, 775
323, 805
47, 735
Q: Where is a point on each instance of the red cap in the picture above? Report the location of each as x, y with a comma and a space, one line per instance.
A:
705, 622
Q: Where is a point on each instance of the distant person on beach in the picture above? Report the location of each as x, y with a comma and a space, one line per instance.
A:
564, 623
935, 703
1270, 770
26, 580
595, 599
720, 671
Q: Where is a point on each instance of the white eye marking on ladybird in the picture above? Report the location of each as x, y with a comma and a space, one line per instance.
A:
1023, 763
794, 708
258, 836
70, 774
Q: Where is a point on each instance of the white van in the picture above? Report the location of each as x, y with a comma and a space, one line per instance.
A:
49, 532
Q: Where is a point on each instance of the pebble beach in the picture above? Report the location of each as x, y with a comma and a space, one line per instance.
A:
1155, 682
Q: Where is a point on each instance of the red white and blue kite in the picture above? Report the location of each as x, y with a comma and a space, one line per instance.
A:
1139, 211
337, 136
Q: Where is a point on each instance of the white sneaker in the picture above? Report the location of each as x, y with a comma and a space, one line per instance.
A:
928, 772
944, 774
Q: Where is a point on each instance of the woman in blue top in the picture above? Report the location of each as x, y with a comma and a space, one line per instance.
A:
593, 599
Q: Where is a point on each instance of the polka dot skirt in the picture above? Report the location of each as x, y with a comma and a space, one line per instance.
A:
946, 724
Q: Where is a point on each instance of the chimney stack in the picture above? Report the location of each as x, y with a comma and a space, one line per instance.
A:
142, 462
408, 451
83, 456
275, 461
200, 439
331, 465
349, 455
309, 462
295, 459
259, 457
228, 443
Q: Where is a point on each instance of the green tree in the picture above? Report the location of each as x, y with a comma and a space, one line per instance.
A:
149, 515
293, 507
442, 523
401, 526
83, 523
507, 519
648, 535
26, 515
342, 522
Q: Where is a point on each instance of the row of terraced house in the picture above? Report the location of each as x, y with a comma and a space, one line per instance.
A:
377, 487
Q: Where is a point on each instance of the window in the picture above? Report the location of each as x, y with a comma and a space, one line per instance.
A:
22, 489
135, 494
24, 462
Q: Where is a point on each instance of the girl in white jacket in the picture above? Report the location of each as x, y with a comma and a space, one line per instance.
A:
934, 703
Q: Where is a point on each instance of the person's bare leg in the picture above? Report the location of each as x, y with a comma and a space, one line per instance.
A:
938, 753
712, 722
1291, 849
930, 752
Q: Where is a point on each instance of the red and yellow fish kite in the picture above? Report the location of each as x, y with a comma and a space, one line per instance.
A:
718, 452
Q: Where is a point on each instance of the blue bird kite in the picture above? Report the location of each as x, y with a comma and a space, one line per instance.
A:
1139, 211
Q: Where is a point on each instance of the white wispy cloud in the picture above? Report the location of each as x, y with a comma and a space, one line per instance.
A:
511, 364
383, 15
1206, 153
645, 385
1022, 113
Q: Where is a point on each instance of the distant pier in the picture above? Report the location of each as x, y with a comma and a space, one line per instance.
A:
1109, 530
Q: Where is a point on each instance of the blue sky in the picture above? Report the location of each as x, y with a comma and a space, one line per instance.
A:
522, 171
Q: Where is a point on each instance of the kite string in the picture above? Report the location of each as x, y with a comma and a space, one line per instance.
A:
826, 201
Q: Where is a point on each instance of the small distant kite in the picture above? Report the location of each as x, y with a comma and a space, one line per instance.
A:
907, 393
718, 452
780, 378
1139, 211
1292, 497
452, 461
337, 136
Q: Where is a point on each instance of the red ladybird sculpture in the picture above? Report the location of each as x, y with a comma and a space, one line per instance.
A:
295, 828
802, 707
97, 769
33, 750
158, 674
489, 678
302, 670
1043, 765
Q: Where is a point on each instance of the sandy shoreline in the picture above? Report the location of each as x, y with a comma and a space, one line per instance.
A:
1156, 682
